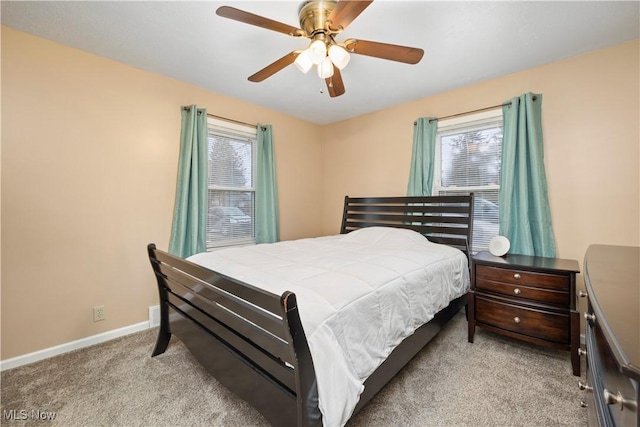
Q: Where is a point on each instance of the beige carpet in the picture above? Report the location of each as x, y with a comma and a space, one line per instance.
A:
494, 382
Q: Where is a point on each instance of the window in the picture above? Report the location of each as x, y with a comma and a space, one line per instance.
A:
232, 160
468, 157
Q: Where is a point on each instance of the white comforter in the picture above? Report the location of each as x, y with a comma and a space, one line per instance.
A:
359, 295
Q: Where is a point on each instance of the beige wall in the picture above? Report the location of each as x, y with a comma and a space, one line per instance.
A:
89, 156
89, 163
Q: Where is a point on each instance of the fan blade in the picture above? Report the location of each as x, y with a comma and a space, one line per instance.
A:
334, 83
274, 67
408, 55
259, 21
345, 12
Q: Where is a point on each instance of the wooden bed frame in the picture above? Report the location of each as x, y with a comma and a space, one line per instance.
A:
252, 341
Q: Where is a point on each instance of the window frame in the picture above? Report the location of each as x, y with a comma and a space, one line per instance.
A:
461, 124
232, 130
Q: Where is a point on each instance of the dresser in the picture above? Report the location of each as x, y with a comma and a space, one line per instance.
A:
529, 298
612, 335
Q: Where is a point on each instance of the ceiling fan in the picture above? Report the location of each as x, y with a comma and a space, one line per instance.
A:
320, 22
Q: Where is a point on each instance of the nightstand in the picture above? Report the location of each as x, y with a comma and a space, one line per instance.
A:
528, 298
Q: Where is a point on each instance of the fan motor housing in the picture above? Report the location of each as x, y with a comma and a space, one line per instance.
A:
314, 14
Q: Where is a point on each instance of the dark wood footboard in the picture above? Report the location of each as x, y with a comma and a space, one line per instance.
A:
252, 341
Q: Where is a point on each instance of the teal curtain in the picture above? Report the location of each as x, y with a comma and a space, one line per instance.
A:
188, 234
425, 130
267, 218
525, 216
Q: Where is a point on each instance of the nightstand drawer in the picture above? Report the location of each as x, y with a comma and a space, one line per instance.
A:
545, 325
517, 277
550, 296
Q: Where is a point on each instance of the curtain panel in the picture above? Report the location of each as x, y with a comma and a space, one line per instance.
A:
188, 233
425, 131
525, 215
267, 215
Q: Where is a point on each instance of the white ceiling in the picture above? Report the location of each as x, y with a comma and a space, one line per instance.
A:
464, 43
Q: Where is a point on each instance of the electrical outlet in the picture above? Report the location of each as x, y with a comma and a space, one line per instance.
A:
98, 313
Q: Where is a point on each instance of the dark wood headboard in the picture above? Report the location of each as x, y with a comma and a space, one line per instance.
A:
442, 219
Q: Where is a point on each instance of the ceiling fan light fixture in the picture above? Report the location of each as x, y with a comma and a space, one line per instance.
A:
339, 56
325, 68
320, 21
303, 61
317, 51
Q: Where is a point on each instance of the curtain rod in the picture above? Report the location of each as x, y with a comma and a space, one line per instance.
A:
231, 120
225, 119
480, 110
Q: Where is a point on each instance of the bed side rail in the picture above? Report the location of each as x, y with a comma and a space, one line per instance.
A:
442, 219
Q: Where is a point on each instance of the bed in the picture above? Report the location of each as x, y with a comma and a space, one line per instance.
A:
237, 314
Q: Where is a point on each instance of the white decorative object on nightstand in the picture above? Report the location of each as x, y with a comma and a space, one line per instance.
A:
499, 246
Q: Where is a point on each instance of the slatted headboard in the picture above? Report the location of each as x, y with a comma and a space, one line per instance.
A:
442, 219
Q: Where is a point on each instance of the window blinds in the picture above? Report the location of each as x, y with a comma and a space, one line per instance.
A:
469, 161
231, 215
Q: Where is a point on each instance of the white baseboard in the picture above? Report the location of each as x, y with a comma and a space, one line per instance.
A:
154, 320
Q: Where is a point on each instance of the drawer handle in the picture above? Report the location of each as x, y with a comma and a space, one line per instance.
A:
590, 317
583, 404
517, 291
582, 352
516, 319
583, 386
617, 399
516, 276
583, 294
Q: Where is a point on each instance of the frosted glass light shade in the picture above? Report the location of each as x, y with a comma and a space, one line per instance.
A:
339, 56
325, 68
303, 61
317, 51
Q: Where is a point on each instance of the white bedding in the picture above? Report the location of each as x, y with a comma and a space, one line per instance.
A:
359, 295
